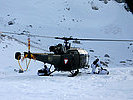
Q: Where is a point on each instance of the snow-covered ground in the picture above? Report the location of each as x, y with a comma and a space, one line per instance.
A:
67, 18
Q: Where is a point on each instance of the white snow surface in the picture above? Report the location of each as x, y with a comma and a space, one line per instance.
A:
67, 18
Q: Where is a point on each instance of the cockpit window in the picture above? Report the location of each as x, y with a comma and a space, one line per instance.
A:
82, 52
72, 52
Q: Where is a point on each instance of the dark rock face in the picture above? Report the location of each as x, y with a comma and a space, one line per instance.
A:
106, 55
130, 4
10, 23
120, 1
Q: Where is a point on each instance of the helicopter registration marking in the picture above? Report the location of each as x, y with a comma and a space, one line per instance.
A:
65, 61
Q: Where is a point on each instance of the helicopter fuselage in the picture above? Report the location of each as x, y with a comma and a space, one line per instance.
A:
73, 59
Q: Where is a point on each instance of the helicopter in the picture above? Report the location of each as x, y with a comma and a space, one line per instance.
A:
63, 57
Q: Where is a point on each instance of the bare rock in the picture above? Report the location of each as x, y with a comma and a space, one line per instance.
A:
122, 61
105, 1
106, 55
95, 8
91, 50
11, 22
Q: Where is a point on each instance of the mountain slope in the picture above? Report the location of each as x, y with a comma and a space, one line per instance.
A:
67, 18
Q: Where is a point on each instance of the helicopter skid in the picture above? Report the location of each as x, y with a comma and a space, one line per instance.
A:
75, 73
41, 73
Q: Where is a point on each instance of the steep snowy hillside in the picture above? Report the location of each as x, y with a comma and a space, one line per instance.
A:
72, 18
66, 18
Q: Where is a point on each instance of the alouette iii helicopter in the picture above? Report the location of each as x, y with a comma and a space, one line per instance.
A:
63, 58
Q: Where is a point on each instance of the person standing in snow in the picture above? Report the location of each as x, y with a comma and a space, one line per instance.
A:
94, 65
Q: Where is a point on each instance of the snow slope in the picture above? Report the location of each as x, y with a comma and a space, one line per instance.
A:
67, 18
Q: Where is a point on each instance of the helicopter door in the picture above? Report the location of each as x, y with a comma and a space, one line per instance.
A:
66, 62
70, 61
76, 59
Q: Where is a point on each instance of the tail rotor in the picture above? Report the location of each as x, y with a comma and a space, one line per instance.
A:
21, 58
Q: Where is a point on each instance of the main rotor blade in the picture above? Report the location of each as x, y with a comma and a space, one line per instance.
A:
105, 40
69, 38
29, 35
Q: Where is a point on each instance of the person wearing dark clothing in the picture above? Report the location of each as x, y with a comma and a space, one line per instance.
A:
44, 71
130, 4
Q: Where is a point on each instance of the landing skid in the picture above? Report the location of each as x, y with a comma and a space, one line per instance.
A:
74, 73
45, 74
52, 72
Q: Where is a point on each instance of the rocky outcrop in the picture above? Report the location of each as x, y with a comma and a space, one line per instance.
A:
120, 1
